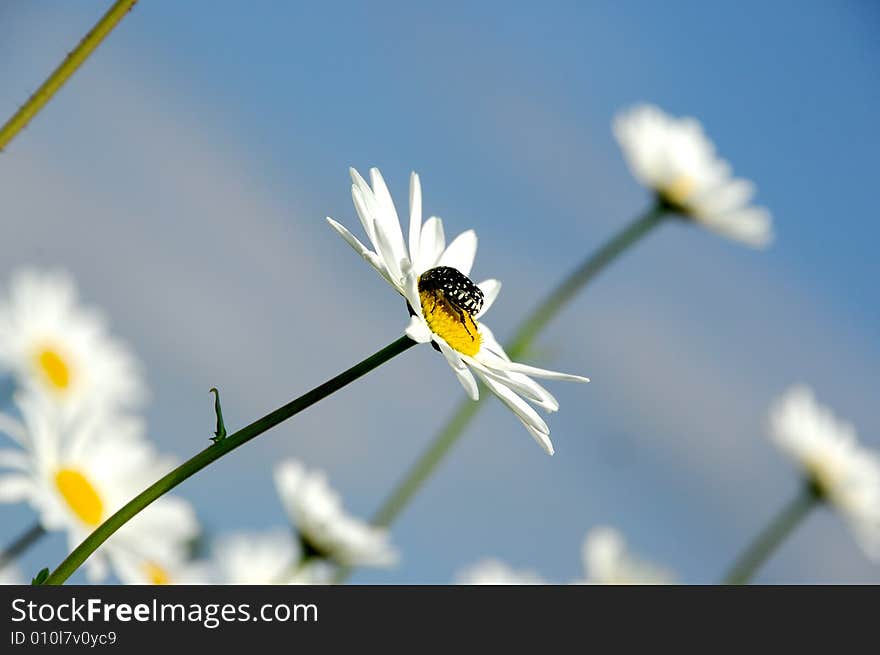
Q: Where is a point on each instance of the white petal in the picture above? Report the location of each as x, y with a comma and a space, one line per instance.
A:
493, 362
519, 406
387, 215
14, 459
418, 330
729, 197
365, 211
462, 372
96, 565
522, 384
411, 290
752, 226
15, 487
350, 239
543, 439
386, 251
490, 343
528, 416
415, 216
490, 289
461, 252
13, 429
432, 242
369, 256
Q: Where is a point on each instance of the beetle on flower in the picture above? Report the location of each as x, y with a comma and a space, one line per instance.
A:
446, 307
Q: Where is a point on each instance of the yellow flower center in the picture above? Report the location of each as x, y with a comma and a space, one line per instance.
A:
455, 325
156, 574
824, 476
80, 495
679, 190
54, 368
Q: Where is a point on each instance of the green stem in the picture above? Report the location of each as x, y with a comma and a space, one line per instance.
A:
24, 541
64, 70
769, 539
541, 315
215, 452
429, 460
528, 330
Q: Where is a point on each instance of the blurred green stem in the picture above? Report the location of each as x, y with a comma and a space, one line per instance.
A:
769, 539
525, 334
24, 541
538, 319
215, 452
65, 69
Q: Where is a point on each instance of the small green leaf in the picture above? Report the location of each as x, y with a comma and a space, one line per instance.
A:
220, 433
40, 577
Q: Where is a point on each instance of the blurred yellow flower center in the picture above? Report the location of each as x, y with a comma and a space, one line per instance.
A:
54, 368
824, 475
456, 326
679, 190
156, 574
80, 495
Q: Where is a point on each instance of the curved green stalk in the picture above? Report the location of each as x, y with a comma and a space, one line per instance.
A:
65, 69
215, 452
528, 330
769, 539
539, 317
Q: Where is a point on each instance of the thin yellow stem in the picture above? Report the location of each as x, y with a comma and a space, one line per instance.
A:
67, 68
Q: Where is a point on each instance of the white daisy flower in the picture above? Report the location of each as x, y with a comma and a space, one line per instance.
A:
133, 569
62, 351
445, 305
674, 158
77, 473
838, 468
607, 561
326, 530
495, 572
273, 557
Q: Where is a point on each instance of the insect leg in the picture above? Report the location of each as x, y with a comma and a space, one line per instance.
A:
463, 316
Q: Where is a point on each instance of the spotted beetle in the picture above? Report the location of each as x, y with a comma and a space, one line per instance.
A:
462, 295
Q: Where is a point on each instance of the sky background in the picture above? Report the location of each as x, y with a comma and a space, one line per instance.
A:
183, 177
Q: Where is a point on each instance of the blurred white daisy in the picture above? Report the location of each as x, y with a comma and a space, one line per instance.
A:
134, 569
273, 557
495, 572
10, 575
838, 468
607, 561
76, 473
326, 530
674, 158
444, 304
61, 350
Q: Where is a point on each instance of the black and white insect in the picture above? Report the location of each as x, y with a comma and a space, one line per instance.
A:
457, 290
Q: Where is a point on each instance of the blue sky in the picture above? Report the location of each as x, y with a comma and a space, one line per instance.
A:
184, 174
